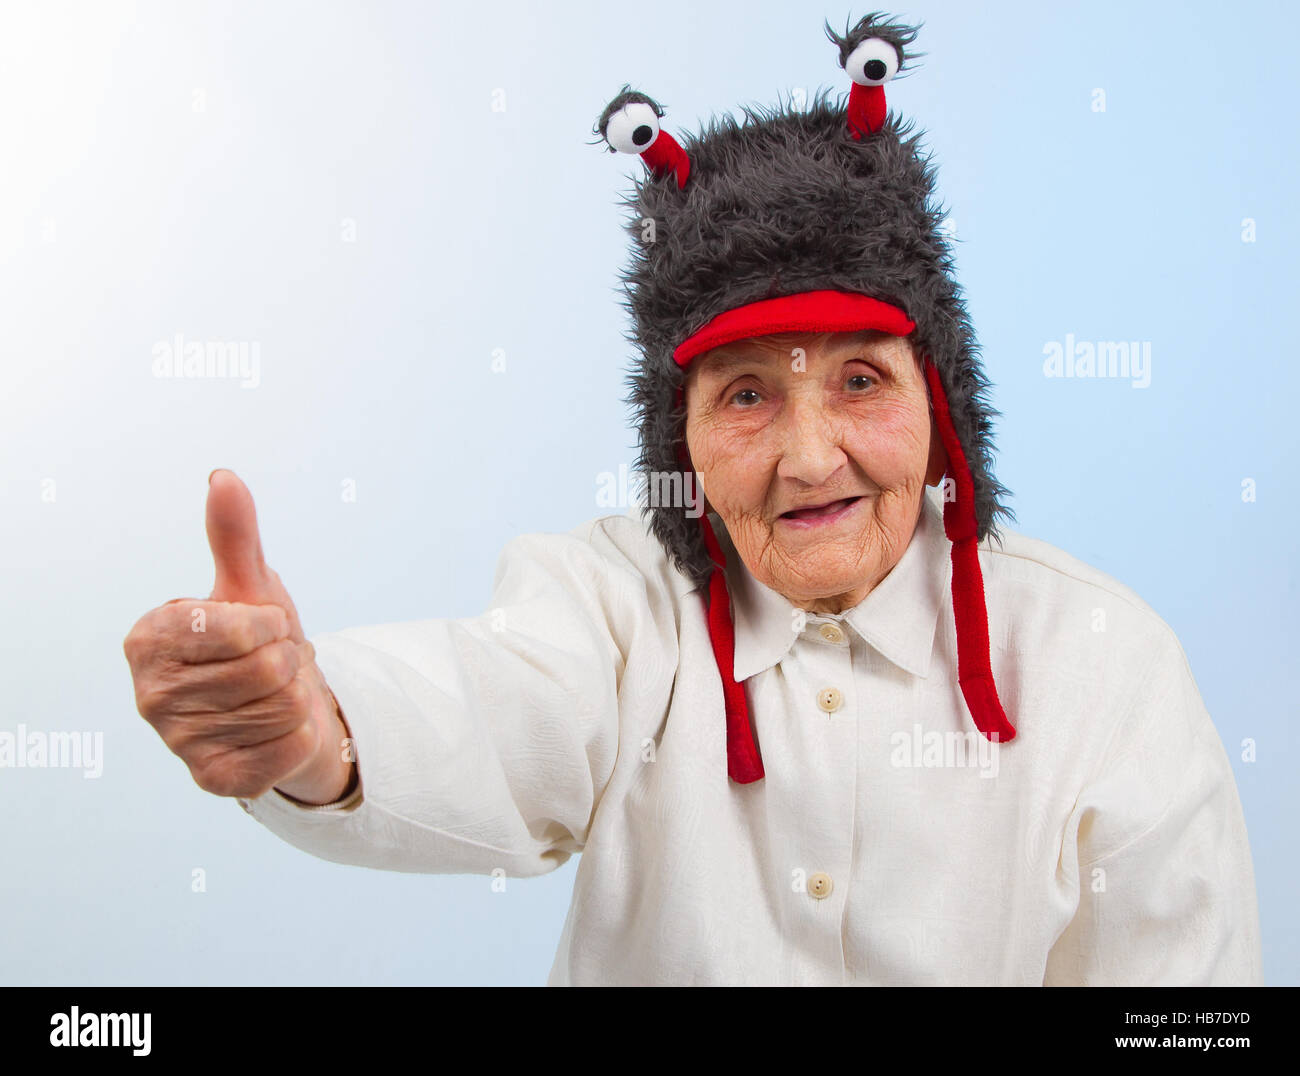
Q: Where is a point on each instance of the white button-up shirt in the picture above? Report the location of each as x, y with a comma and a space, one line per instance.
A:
888, 843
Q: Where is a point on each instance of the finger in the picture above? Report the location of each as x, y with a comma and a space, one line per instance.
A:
242, 574
236, 545
257, 722
221, 686
202, 631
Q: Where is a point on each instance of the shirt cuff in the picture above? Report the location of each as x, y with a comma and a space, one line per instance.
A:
283, 803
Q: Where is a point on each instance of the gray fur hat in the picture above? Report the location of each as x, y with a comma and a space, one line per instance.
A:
816, 220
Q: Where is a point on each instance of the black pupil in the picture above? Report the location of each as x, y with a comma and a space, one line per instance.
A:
642, 134
876, 69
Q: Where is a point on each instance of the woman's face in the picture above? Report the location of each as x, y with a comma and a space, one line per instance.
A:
815, 457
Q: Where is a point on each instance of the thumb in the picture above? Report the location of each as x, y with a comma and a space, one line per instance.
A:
242, 574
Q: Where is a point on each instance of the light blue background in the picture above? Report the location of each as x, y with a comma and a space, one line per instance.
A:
128, 216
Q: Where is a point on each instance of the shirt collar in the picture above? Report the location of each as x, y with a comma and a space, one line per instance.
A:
897, 618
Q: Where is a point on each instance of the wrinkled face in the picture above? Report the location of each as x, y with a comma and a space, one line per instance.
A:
814, 451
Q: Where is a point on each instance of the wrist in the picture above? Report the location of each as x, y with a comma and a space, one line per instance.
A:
332, 774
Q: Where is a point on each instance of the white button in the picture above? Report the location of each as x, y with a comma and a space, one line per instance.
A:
829, 699
819, 885
831, 633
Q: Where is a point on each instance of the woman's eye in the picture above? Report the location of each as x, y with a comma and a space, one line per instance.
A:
864, 382
750, 397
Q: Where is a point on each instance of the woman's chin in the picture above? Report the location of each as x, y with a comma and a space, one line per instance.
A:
825, 586
838, 562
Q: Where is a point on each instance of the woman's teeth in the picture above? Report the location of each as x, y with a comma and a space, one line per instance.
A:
826, 510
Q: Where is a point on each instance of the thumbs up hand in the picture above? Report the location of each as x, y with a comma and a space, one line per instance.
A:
231, 683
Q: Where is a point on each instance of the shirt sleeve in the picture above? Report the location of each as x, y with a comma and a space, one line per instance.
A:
1157, 842
484, 743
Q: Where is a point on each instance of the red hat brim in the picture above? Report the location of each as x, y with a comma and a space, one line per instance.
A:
808, 311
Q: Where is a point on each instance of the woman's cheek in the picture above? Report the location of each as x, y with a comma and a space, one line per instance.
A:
729, 456
895, 447
717, 442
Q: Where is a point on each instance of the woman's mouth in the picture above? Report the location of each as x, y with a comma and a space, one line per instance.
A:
820, 515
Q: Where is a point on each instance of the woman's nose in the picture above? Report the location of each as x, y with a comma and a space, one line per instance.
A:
812, 451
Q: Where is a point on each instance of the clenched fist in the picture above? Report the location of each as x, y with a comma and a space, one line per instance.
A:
231, 683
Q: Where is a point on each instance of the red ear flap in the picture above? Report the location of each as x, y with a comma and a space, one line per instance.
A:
974, 672
938, 464
744, 765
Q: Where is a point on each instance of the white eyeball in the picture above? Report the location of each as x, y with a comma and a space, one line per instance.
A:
873, 63
633, 128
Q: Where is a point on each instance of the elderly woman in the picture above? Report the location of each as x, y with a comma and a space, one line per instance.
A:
834, 729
